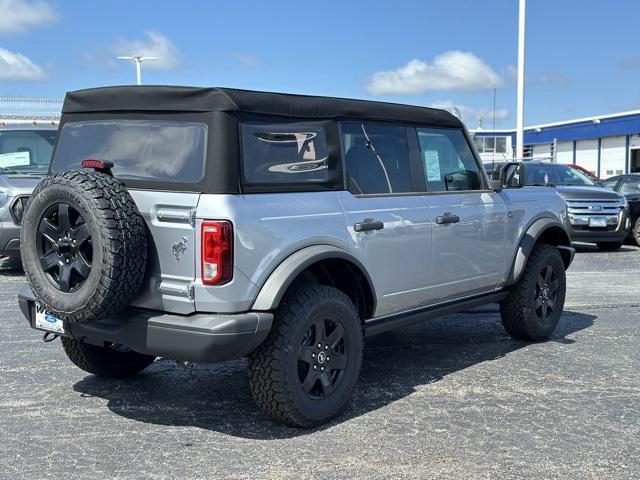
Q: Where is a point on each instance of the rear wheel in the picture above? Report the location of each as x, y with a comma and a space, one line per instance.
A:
305, 371
108, 362
534, 306
609, 246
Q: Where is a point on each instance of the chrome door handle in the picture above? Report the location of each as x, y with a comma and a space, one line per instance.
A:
447, 218
368, 224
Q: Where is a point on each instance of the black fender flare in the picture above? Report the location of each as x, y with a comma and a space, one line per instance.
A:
281, 278
529, 240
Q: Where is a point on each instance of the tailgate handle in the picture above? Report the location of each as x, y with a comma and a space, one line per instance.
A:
177, 216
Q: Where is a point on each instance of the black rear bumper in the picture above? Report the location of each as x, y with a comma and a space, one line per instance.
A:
202, 338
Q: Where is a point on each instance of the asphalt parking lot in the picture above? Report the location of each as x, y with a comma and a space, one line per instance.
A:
452, 398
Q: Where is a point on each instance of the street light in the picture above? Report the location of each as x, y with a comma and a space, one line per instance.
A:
520, 87
138, 59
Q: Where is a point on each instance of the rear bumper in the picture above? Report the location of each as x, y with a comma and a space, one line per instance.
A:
202, 338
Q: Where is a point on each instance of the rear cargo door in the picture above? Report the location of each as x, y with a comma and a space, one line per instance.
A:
171, 257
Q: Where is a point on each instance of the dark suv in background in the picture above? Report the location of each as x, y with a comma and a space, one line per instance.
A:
25, 153
629, 186
596, 214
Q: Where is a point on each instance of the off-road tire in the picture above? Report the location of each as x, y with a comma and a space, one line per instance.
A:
636, 231
518, 311
119, 245
609, 246
105, 362
273, 370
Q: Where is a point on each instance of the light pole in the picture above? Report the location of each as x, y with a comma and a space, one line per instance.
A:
138, 59
520, 87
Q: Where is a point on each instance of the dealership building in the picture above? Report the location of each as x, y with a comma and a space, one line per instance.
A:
605, 144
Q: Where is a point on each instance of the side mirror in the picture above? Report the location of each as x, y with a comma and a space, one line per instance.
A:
495, 185
512, 175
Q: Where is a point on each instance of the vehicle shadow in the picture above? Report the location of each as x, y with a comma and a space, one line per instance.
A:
216, 397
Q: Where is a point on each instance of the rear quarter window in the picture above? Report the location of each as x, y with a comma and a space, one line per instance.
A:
284, 153
139, 149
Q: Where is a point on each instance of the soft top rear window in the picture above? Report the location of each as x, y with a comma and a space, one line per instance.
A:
139, 149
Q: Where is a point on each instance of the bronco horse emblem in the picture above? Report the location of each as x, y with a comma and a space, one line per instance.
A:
179, 248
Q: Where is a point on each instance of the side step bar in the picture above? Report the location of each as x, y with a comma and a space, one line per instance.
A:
404, 319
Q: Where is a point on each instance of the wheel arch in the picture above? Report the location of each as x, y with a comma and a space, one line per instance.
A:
324, 264
543, 230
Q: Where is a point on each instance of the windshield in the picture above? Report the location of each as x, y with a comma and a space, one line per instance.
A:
542, 174
26, 151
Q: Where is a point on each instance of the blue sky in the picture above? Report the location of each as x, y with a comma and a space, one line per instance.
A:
583, 56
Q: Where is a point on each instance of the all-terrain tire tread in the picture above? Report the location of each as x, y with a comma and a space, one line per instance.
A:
267, 375
125, 244
103, 361
515, 311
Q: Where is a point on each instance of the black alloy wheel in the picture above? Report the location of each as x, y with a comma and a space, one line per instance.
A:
546, 292
64, 247
322, 358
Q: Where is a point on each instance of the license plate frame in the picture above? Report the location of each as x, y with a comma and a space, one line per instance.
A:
47, 322
598, 222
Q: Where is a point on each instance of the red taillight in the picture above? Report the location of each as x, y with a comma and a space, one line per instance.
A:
98, 165
217, 252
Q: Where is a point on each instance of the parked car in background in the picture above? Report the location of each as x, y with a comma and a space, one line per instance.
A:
596, 214
588, 173
25, 153
629, 186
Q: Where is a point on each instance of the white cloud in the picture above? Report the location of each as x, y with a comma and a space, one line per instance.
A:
469, 114
247, 59
15, 66
154, 45
452, 70
17, 16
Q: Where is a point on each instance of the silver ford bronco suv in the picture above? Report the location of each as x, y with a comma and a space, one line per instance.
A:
206, 224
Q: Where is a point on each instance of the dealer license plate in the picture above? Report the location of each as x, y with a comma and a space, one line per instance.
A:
46, 321
597, 222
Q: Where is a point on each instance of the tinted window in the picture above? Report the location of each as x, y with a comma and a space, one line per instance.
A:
549, 174
376, 158
284, 153
501, 145
631, 185
26, 150
610, 183
449, 164
139, 149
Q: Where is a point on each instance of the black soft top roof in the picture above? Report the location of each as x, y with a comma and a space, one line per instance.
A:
191, 99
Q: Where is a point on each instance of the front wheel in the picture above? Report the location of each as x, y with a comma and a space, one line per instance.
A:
636, 231
534, 306
609, 246
305, 371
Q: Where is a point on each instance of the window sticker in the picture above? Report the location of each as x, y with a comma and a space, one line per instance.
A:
432, 165
14, 159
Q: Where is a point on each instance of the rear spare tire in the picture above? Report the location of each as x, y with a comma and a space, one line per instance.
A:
84, 245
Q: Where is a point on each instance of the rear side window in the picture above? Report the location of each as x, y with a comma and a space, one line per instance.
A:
282, 153
449, 164
376, 157
139, 149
